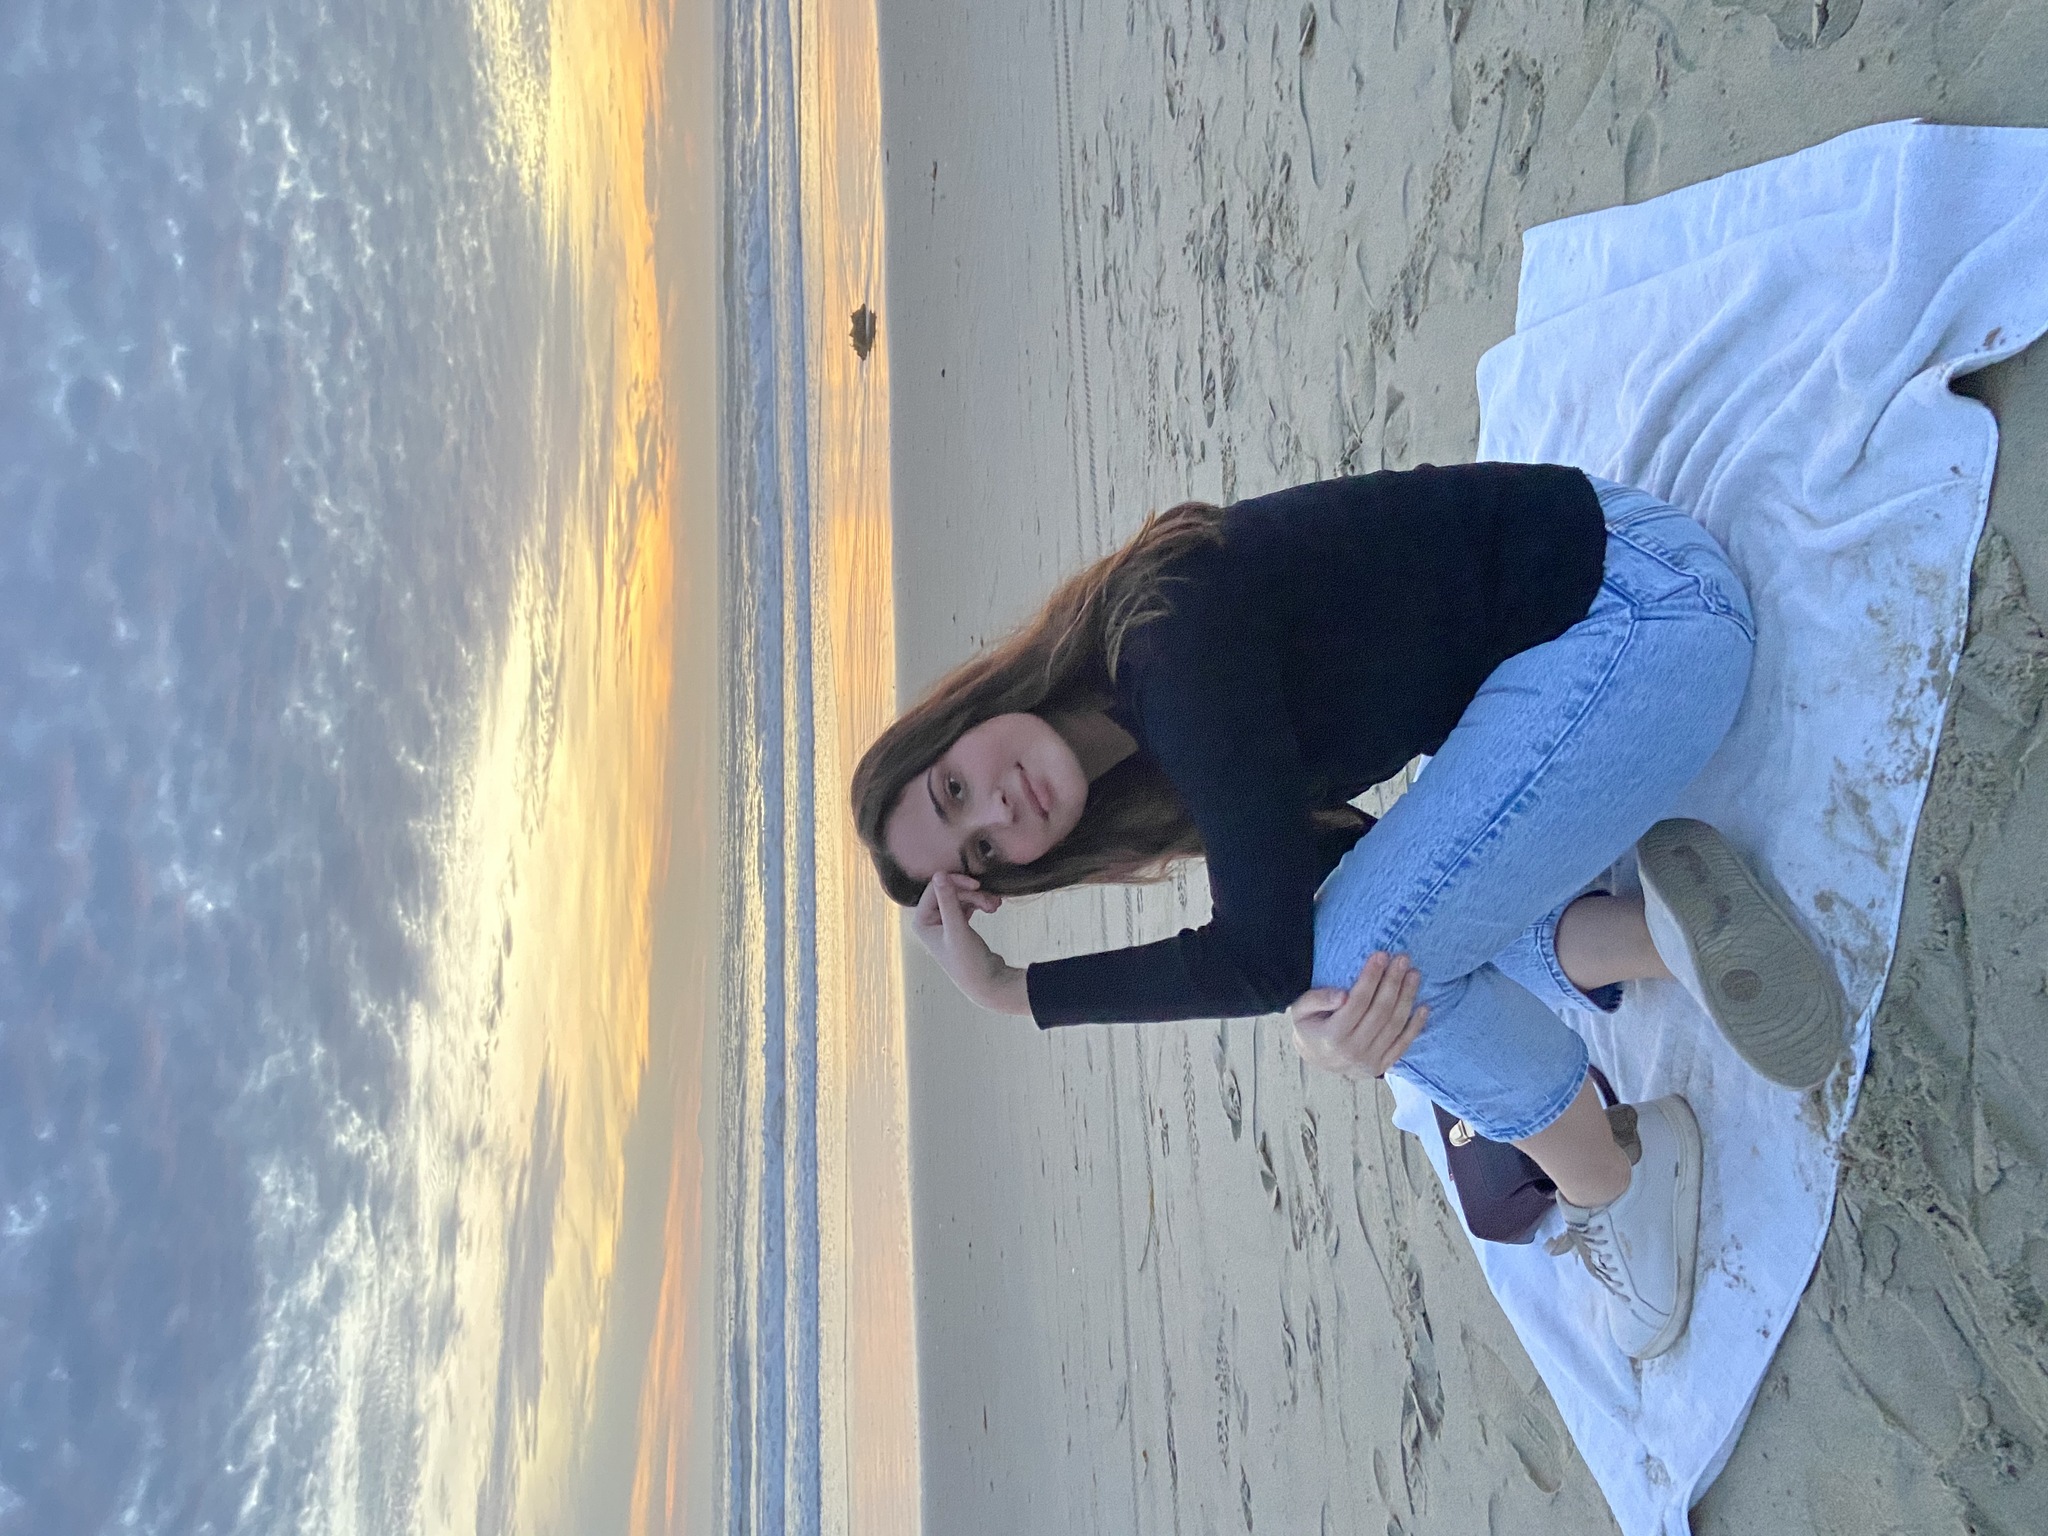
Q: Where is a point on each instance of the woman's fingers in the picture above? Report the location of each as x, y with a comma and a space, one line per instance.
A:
1376, 965
1370, 1027
924, 917
1374, 998
968, 891
1324, 1017
939, 914
960, 939
1402, 1041
1359, 997
1315, 1006
948, 903
964, 954
956, 937
1390, 1014
965, 890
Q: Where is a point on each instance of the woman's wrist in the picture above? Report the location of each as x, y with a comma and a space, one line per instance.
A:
1007, 992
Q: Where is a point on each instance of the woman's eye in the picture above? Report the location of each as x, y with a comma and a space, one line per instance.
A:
953, 787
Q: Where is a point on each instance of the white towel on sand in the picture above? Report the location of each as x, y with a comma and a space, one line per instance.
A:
1772, 351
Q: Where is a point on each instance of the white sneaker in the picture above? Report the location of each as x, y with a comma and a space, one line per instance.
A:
1642, 1246
1741, 956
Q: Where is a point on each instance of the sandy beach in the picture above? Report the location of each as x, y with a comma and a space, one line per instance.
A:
1168, 1279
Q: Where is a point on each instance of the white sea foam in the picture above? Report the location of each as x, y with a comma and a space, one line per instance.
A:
769, 1344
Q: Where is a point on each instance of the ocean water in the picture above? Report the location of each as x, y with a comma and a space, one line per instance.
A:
769, 1192
334, 586
816, 1353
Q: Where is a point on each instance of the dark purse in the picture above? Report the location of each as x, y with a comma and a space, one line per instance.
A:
1502, 1192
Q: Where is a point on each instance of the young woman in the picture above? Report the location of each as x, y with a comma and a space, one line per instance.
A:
1569, 650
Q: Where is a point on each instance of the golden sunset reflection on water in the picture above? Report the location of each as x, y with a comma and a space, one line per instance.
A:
871, 1466
538, 1038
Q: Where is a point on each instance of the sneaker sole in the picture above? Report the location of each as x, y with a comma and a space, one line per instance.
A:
1685, 1217
1767, 988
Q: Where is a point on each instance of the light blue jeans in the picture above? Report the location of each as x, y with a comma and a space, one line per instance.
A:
1570, 752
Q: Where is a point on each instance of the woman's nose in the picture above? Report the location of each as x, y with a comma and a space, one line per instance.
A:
1003, 804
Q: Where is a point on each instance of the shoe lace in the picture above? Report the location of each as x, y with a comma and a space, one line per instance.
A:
1594, 1250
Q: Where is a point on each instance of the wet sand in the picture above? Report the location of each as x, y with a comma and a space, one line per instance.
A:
1168, 1279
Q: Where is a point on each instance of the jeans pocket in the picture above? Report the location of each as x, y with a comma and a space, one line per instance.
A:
1667, 558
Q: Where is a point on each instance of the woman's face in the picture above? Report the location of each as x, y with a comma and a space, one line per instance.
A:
1005, 793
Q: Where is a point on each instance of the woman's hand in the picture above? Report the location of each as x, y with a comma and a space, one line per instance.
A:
1363, 1031
942, 925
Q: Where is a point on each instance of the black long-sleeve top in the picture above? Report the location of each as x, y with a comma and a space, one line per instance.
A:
1339, 629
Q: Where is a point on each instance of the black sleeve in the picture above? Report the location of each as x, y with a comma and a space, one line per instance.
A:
1210, 707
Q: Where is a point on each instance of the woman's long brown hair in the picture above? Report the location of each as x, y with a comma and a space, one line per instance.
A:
1062, 659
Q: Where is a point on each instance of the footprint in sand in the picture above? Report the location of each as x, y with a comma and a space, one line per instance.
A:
1394, 431
1226, 1085
1308, 126
1456, 14
1311, 1154
1639, 161
1267, 1176
1422, 1397
1521, 115
1287, 1352
1414, 1472
1805, 23
1312, 1341
1176, 77
1504, 1407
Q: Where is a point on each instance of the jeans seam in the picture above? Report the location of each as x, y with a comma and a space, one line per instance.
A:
1705, 596
1706, 610
1629, 519
1546, 951
1554, 1110
1551, 1112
